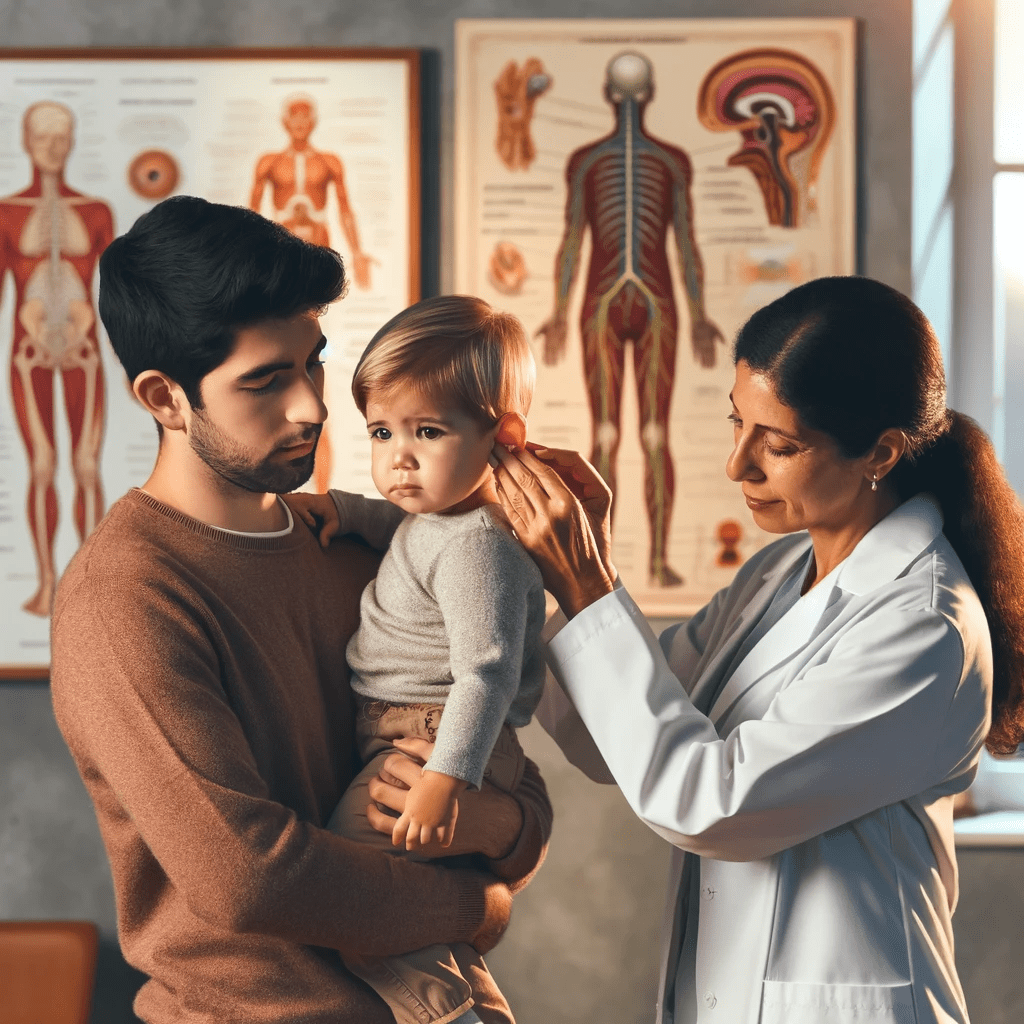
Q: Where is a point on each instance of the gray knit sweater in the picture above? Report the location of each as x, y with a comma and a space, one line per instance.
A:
454, 618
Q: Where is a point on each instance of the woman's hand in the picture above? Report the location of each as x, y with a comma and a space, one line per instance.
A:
560, 509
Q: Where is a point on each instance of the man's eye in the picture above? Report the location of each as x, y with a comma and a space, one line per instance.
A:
263, 388
381, 434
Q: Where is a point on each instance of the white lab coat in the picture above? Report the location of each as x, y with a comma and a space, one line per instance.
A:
814, 783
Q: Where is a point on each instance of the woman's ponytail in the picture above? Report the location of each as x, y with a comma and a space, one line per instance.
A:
984, 522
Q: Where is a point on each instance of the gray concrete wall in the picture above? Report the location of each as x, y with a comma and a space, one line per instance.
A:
582, 945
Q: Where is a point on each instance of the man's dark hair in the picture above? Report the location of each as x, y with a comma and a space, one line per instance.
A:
176, 289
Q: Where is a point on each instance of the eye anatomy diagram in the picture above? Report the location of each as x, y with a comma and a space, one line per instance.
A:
628, 188
783, 109
298, 178
516, 91
153, 174
52, 238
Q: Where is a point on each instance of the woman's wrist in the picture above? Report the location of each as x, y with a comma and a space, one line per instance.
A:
581, 592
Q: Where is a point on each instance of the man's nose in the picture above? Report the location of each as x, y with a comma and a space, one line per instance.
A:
307, 404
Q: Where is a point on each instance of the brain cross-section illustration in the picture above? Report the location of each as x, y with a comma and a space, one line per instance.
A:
628, 189
782, 107
51, 238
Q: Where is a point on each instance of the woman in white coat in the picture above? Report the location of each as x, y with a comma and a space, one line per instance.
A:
800, 740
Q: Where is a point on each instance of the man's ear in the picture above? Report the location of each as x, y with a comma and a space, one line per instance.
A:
511, 430
163, 398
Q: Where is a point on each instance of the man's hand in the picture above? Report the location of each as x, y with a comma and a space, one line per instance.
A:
489, 820
431, 807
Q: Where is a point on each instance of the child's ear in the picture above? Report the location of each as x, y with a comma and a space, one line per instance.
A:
511, 430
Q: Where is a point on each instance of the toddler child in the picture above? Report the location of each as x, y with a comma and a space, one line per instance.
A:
448, 648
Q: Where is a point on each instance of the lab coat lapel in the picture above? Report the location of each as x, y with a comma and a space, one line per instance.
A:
788, 636
880, 556
754, 606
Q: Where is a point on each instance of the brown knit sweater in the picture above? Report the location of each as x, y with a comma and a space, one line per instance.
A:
199, 680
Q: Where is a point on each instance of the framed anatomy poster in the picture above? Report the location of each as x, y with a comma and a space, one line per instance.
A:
324, 141
633, 191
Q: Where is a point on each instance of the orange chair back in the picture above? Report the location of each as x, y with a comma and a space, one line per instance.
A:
47, 970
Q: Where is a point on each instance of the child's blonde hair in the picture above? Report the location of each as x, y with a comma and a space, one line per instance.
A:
455, 349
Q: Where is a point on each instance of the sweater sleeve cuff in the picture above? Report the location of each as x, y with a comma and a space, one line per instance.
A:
471, 912
519, 865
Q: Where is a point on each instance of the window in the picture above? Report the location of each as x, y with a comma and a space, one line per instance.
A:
1008, 231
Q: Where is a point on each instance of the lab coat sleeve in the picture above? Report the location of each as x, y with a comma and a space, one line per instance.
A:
684, 643
882, 718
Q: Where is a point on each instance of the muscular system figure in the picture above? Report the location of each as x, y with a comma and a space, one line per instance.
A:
627, 188
298, 178
51, 238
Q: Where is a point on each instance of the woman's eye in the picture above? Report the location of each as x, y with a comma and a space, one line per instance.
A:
734, 420
381, 434
773, 450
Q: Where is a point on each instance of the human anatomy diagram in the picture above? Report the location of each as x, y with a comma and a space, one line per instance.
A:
628, 188
52, 238
516, 91
298, 178
782, 106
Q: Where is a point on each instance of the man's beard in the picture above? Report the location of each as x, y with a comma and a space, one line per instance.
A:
239, 466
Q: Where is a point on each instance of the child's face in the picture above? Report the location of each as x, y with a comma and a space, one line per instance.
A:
428, 458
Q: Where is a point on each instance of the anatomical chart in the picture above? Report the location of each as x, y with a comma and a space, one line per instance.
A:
633, 191
328, 147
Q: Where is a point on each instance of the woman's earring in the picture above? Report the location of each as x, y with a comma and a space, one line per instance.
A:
874, 481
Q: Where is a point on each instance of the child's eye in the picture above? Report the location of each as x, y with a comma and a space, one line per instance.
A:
430, 433
381, 434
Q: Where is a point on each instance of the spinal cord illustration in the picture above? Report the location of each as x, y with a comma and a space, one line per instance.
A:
627, 189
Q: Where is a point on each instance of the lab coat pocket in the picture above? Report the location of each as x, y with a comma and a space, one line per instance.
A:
793, 1002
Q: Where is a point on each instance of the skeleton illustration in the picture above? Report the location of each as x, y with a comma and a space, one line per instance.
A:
628, 188
516, 90
782, 107
52, 237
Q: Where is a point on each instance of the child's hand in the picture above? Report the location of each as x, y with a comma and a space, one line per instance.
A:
430, 811
317, 511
